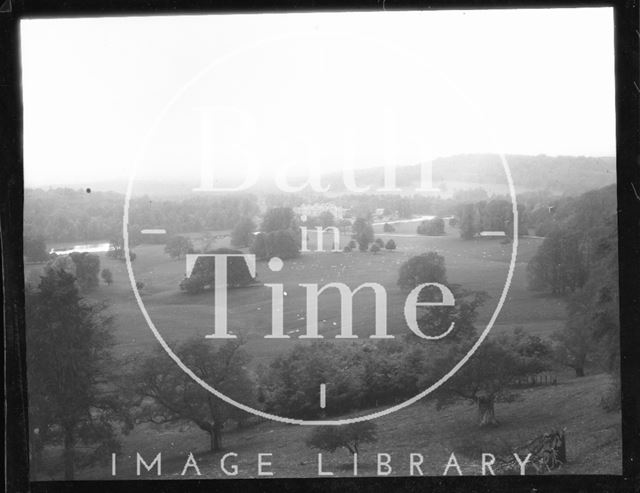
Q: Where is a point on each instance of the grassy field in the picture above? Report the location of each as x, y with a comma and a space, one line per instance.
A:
593, 435
477, 264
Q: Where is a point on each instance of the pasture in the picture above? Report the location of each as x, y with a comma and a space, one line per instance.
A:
476, 265
593, 434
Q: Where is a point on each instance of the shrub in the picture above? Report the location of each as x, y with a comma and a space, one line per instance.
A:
391, 245
431, 227
388, 228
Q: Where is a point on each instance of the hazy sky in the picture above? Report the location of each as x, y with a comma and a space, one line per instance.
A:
324, 90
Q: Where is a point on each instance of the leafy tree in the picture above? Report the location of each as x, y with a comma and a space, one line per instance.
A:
242, 233
70, 372
326, 219
431, 227
192, 284
259, 246
278, 218
107, 276
166, 394
388, 228
178, 246
351, 436
486, 378
470, 224
558, 265
375, 248
203, 273
87, 269
116, 249
362, 233
390, 245
423, 268
282, 244
292, 380
35, 248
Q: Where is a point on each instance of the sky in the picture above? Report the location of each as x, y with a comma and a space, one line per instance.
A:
187, 97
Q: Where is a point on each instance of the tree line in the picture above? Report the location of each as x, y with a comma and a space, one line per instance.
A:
578, 262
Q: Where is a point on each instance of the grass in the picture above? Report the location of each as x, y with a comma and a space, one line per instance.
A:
476, 264
593, 439
593, 435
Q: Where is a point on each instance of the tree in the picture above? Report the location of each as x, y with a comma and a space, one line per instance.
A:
292, 380
166, 394
259, 246
390, 245
278, 218
107, 276
388, 228
375, 248
178, 246
35, 248
70, 370
203, 273
242, 233
326, 219
192, 285
351, 436
87, 269
283, 244
558, 265
362, 233
423, 268
469, 221
116, 249
431, 227
486, 378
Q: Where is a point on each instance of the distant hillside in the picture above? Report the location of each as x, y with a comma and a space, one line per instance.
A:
570, 175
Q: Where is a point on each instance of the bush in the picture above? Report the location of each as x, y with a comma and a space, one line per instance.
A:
346, 249
391, 245
281, 243
380, 242
375, 248
388, 228
107, 276
352, 244
431, 227
192, 285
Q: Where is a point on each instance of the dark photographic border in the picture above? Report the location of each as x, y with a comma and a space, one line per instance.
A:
627, 85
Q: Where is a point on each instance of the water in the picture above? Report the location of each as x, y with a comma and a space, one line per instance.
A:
90, 248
